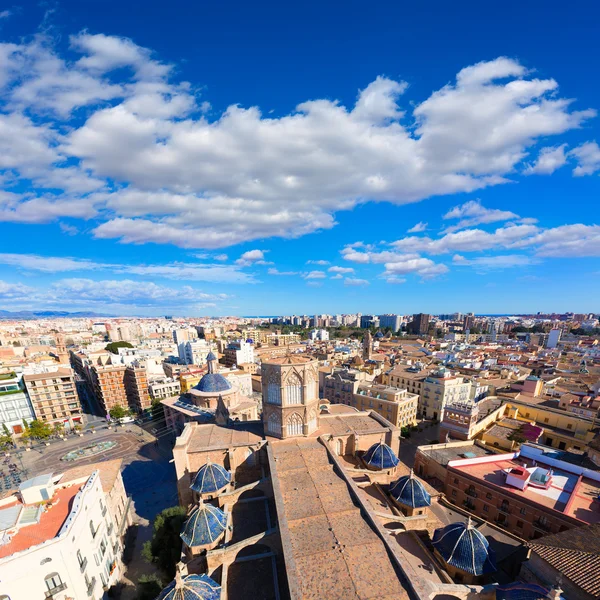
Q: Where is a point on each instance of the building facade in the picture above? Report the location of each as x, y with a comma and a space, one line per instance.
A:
398, 406
15, 405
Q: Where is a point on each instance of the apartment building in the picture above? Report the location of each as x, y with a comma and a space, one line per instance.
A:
239, 352
61, 535
441, 387
136, 388
341, 385
54, 397
531, 492
408, 377
164, 388
398, 406
108, 385
15, 405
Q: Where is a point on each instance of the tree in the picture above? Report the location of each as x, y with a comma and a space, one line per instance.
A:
113, 347
157, 411
148, 587
118, 412
37, 430
6, 441
164, 549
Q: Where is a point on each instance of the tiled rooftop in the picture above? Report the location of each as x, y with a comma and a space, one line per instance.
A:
212, 436
50, 523
336, 553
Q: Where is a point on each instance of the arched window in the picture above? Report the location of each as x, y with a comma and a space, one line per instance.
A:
274, 393
293, 389
54, 583
274, 424
295, 425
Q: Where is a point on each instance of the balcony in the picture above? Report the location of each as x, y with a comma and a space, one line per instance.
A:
469, 504
109, 529
55, 590
471, 492
83, 565
104, 511
504, 508
544, 526
90, 586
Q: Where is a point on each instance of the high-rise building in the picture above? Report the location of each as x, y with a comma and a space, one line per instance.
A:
367, 321
392, 321
290, 396
469, 322
136, 388
553, 338
54, 397
15, 405
420, 324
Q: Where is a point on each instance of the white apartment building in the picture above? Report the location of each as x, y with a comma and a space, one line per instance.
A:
15, 405
194, 353
440, 388
239, 352
60, 538
321, 335
164, 388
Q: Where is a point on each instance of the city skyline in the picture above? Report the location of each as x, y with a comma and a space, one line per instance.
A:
361, 165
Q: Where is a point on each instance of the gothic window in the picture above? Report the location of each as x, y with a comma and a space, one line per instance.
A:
274, 393
274, 424
293, 389
295, 425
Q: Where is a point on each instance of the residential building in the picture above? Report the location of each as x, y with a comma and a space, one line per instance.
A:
367, 321
136, 388
340, 386
15, 405
420, 324
164, 388
239, 352
532, 492
398, 406
61, 536
108, 385
407, 377
553, 338
194, 353
440, 388
54, 397
394, 322
321, 335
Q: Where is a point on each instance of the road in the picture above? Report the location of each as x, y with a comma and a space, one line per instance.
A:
408, 447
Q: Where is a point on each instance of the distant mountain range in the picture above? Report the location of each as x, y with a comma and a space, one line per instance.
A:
46, 314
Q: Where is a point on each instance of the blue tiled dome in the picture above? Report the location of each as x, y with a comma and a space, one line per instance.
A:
408, 490
465, 548
210, 478
380, 456
191, 587
213, 383
204, 525
521, 591
250, 341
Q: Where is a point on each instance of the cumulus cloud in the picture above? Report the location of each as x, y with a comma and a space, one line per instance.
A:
474, 213
487, 263
315, 275
588, 158
317, 262
152, 166
424, 267
341, 270
418, 228
338, 276
549, 159
252, 257
15, 291
351, 281
273, 271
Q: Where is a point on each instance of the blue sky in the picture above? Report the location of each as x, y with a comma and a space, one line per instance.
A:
263, 158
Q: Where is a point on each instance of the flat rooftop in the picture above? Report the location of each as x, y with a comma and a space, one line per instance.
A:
211, 436
349, 422
568, 493
444, 453
332, 551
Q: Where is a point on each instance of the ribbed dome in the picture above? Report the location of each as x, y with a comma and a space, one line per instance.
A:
408, 490
211, 356
210, 478
191, 587
204, 525
465, 548
213, 383
380, 456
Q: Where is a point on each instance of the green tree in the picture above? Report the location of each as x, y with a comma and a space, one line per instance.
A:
37, 430
148, 587
6, 441
113, 347
5, 429
164, 549
118, 412
157, 411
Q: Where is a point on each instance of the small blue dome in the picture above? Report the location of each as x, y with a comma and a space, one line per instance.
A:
210, 478
521, 591
465, 548
408, 490
204, 525
191, 587
380, 456
210, 356
379, 335
250, 341
212, 383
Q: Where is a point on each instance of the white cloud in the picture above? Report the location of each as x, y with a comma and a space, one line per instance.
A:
424, 267
68, 229
396, 280
221, 257
251, 257
169, 165
588, 157
317, 262
341, 270
15, 291
5, 14
338, 276
351, 281
210, 273
549, 160
418, 228
315, 275
487, 263
273, 271
474, 213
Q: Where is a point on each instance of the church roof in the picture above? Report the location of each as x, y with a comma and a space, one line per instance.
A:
191, 587
204, 525
380, 456
213, 383
210, 478
521, 591
210, 356
465, 548
408, 490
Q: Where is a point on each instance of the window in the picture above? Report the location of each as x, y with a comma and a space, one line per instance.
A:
486, 508
454, 492
79, 558
455, 481
293, 390
94, 531
569, 426
274, 393
103, 547
54, 583
488, 496
523, 511
295, 425
274, 424
520, 524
